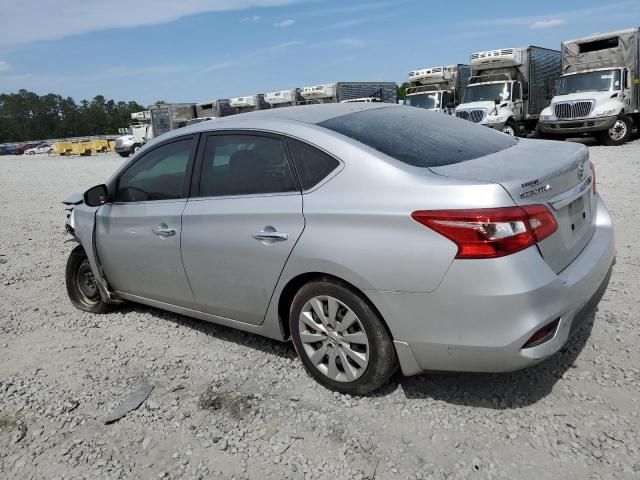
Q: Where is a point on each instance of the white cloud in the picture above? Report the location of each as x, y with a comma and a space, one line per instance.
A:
284, 23
253, 18
552, 23
4, 66
52, 19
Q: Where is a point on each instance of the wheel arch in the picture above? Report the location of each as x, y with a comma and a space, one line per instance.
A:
292, 287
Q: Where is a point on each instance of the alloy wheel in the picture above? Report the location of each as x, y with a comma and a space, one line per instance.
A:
334, 339
618, 131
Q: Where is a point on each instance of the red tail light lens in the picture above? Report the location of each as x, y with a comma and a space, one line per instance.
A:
593, 176
490, 232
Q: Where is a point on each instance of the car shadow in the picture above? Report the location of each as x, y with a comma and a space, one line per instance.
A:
221, 332
499, 391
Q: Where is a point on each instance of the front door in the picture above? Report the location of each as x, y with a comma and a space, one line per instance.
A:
240, 224
138, 234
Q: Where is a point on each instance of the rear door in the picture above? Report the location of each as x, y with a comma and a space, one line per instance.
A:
138, 234
240, 224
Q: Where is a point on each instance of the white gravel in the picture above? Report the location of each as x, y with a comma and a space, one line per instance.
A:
232, 405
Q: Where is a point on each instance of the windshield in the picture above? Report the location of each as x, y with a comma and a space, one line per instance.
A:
601, 81
487, 92
423, 100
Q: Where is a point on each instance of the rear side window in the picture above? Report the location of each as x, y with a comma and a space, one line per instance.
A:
312, 165
418, 137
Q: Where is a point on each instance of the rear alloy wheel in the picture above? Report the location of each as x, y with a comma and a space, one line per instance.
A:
81, 283
340, 339
618, 134
510, 128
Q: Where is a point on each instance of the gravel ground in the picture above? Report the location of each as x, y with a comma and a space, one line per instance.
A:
232, 405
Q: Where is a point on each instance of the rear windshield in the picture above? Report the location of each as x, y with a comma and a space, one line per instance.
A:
418, 137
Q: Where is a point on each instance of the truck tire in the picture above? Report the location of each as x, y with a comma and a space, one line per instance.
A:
123, 154
539, 134
510, 128
618, 134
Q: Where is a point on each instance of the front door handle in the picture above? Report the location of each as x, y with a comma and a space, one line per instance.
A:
163, 230
271, 236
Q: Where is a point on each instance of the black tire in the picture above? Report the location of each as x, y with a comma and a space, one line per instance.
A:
382, 360
81, 287
510, 126
123, 154
136, 148
619, 134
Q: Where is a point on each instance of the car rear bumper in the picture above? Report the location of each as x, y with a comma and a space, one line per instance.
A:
484, 311
586, 125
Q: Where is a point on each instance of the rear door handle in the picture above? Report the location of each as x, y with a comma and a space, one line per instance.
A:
164, 231
273, 236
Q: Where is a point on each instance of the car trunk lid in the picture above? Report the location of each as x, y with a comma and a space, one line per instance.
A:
555, 174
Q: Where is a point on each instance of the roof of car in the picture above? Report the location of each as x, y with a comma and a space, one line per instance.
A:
304, 113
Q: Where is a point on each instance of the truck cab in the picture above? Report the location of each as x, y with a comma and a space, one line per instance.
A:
136, 134
509, 87
597, 94
438, 89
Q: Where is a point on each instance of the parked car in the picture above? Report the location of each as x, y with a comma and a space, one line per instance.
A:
372, 235
23, 148
7, 149
41, 148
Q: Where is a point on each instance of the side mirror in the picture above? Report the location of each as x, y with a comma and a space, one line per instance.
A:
95, 196
451, 105
497, 100
525, 96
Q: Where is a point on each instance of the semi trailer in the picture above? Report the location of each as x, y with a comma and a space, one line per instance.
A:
338, 92
439, 89
508, 88
599, 91
283, 98
249, 103
135, 135
214, 108
169, 116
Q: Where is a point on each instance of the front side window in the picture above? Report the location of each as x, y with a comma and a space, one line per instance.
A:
516, 91
244, 165
157, 175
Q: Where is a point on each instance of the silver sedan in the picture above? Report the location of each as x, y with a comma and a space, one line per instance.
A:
371, 235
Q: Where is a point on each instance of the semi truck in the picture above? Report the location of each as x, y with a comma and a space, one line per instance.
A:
283, 98
214, 108
338, 92
135, 135
169, 116
439, 89
249, 103
599, 91
508, 88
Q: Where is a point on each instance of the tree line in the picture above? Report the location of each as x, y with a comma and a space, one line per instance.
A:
28, 116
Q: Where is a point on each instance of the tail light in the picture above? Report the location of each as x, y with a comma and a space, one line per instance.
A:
593, 176
490, 232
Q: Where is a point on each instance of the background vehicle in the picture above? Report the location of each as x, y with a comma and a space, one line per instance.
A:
194, 121
251, 103
137, 134
509, 88
7, 149
234, 246
169, 116
438, 88
23, 148
214, 109
599, 92
41, 148
339, 91
283, 98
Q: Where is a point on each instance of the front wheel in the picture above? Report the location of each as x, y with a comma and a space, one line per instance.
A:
81, 284
510, 128
340, 338
618, 134
123, 154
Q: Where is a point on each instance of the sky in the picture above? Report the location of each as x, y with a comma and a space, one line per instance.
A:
200, 50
